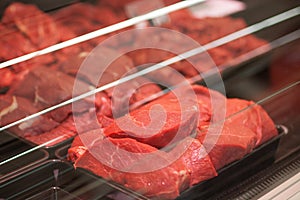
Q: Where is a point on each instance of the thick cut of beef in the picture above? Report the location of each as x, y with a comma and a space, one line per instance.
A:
145, 90
114, 154
158, 122
164, 183
253, 117
185, 165
227, 143
36, 25
246, 113
45, 88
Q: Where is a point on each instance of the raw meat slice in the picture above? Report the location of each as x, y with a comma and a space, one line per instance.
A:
165, 183
246, 113
144, 91
70, 62
111, 151
228, 143
45, 87
169, 120
112, 71
36, 25
191, 167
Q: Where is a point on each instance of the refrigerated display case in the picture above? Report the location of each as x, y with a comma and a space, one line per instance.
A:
71, 71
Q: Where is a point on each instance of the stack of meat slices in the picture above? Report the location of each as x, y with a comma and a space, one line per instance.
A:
184, 137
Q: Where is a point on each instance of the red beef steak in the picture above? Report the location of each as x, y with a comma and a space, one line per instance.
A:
165, 182
169, 118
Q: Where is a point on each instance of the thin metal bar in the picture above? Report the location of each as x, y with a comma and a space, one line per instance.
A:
103, 31
233, 36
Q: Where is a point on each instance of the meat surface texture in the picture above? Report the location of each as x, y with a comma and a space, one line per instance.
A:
253, 117
195, 159
157, 123
32, 22
228, 143
165, 183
